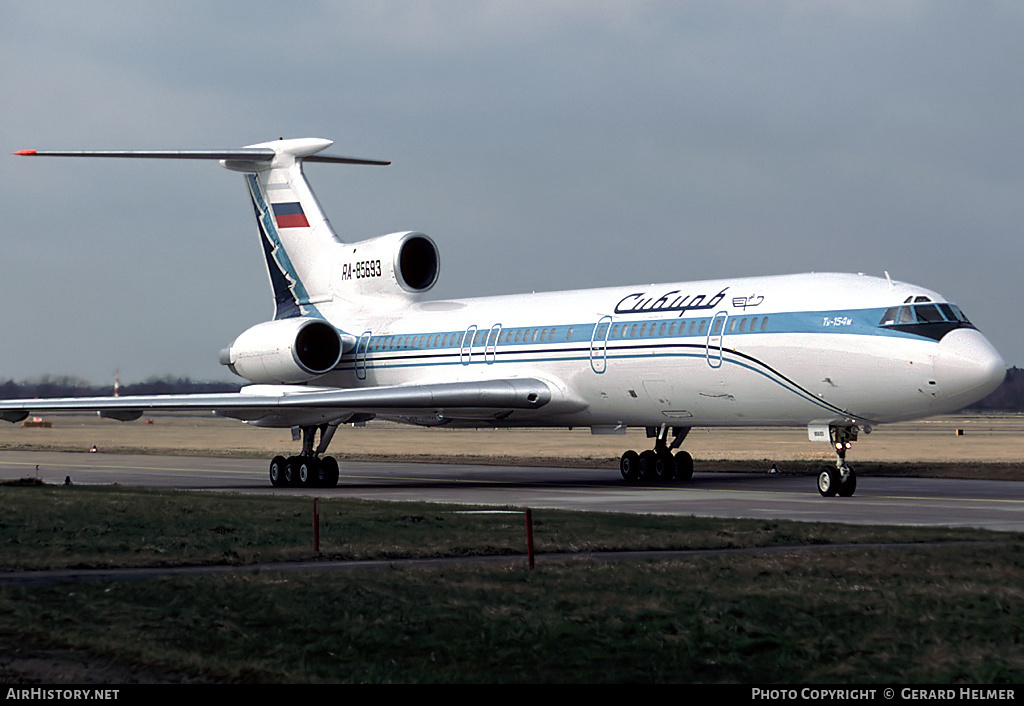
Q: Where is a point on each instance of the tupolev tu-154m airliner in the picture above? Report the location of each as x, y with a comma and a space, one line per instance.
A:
352, 339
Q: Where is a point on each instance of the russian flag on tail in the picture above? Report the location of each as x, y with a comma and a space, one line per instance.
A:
289, 215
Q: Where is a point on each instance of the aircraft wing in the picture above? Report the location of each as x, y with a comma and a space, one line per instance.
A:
271, 405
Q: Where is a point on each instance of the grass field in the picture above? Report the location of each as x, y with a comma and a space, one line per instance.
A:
947, 608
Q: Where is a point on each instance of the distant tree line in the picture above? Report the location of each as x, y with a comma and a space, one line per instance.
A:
70, 386
1008, 396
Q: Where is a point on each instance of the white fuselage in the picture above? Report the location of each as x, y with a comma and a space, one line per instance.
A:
782, 350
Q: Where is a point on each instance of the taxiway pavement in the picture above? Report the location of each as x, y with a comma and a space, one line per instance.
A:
996, 505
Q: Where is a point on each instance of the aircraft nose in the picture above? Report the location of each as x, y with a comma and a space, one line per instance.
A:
967, 367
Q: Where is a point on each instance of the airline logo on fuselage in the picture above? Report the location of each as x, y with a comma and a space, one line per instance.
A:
642, 303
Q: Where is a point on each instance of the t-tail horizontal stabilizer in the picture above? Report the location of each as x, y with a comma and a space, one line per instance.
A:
298, 241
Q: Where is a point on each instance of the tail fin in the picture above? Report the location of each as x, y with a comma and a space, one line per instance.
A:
295, 233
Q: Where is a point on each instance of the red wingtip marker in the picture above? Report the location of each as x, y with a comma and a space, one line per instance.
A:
25, 152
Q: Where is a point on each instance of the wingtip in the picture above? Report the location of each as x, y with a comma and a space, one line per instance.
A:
24, 153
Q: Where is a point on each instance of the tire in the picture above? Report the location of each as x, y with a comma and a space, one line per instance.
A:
849, 487
629, 466
684, 466
828, 482
291, 472
664, 466
306, 475
328, 473
277, 465
648, 459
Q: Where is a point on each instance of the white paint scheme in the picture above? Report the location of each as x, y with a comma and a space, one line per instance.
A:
805, 349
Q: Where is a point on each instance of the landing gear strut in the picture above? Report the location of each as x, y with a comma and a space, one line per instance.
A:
659, 465
839, 480
308, 469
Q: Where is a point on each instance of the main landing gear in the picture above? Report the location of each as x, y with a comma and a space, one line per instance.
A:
308, 469
839, 480
659, 465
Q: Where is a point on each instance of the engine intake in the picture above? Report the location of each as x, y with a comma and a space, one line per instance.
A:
417, 263
284, 351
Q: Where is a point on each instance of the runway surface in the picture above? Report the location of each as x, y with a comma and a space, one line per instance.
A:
996, 505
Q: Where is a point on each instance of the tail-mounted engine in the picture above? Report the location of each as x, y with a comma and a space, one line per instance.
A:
399, 263
285, 351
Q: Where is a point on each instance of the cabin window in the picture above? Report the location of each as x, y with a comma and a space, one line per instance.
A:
743, 324
702, 327
661, 329
764, 323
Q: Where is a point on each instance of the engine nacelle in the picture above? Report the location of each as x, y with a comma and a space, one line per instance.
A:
284, 351
395, 264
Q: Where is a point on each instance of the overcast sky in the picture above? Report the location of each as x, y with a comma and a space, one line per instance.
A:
542, 145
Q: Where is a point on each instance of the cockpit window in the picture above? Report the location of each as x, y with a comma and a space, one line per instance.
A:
928, 313
959, 314
931, 320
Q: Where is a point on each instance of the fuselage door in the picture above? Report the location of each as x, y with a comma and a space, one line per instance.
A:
599, 344
716, 336
491, 345
466, 351
362, 348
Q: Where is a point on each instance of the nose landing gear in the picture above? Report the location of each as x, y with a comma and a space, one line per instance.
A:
839, 480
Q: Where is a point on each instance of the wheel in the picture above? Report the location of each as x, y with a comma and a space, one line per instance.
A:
291, 471
629, 466
828, 482
664, 466
328, 472
306, 472
277, 465
849, 486
647, 460
684, 466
